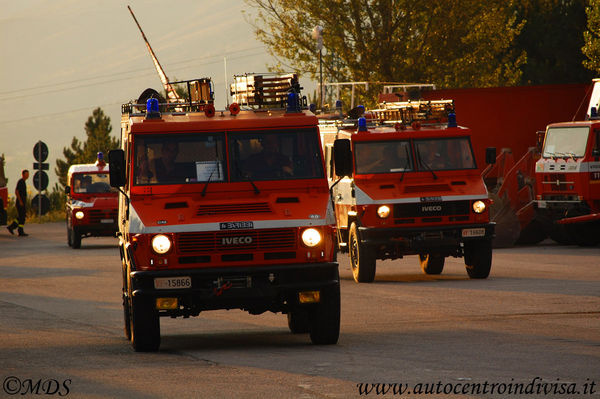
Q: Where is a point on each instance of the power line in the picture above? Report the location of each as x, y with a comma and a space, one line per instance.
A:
6, 93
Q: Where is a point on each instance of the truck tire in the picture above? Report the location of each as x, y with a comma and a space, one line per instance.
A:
69, 236
145, 326
325, 317
298, 321
586, 234
75, 238
362, 258
431, 264
478, 258
126, 309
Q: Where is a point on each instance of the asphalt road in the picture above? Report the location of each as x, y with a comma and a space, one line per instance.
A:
531, 328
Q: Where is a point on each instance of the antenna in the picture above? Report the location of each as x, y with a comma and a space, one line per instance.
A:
171, 93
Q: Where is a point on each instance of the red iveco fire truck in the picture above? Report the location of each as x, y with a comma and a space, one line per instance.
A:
92, 204
225, 210
409, 186
568, 179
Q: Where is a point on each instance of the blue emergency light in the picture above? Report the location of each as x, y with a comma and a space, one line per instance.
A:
452, 120
292, 103
362, 124
152, 109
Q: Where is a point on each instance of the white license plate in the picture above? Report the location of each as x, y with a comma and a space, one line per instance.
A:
478, 232
106, 220
172, 283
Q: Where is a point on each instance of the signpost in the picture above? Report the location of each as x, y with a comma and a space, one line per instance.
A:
40, 179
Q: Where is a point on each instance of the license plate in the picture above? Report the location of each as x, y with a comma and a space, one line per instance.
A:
172, 283
107, 220
478, 232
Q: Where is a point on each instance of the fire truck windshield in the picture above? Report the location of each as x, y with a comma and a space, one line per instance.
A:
91, 183
566, 141
444, 154
430, 154
382, 157
201, 157
275, 155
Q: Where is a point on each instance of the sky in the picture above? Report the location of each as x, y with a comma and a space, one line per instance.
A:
61, 59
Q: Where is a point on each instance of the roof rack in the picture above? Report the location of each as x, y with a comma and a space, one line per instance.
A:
434, 111
199, 94
264, 90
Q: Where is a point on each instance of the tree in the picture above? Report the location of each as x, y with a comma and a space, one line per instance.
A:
591, 36
552, 37
97, 129
449, 43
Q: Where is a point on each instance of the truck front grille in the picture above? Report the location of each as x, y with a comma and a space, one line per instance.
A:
238, 240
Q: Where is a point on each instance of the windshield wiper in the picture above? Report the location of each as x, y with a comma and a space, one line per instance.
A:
424, 164
406, 164
208, 181
239, 171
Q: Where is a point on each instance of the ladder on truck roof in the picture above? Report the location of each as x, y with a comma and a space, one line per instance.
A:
406, 112
264, 90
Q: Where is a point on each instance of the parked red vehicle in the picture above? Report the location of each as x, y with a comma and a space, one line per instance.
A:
92, 204
568, 178
225, 210
408, 184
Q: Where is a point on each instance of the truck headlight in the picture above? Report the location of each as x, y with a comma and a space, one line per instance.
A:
478, 206
161, 244
311, 237
79, 215
383, 211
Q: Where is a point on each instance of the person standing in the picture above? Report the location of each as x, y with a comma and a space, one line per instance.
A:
21, 203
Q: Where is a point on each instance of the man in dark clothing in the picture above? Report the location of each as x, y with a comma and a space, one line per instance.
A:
21, 202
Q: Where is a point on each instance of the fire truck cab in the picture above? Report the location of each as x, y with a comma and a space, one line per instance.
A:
568, 179
225, 210
405, 182
91, 207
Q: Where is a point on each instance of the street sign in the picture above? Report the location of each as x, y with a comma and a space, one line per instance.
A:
37, 165
40, 151
41, 204
40, 180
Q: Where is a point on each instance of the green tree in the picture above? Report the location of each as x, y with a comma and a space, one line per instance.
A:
591, 36
97, 129
552, 37
449, 43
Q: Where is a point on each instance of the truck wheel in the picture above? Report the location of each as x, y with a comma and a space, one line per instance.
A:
559, 233
126, 309
298, 321
69, 237
145, 326
478, 258
362, 259
75, 238
586, 235
431, 264
325, 317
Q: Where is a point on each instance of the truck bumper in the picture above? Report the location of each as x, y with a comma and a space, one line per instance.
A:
97, 230
442, 240
254, 289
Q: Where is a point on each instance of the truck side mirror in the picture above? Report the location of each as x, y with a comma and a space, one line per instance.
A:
116, 164
490, 155
342, 157
68, 190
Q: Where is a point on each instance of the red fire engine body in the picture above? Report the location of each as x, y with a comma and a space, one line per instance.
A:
92, 204
568, 179
225, 211
408, 188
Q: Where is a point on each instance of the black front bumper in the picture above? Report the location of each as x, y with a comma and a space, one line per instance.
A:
442, 240
255, 289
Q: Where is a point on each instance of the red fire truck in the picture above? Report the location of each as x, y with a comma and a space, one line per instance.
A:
568, 179
409, 186
92, 204
225, 210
